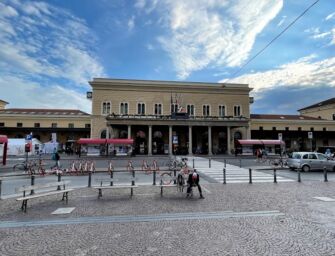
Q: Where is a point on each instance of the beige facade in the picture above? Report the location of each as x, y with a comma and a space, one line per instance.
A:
69, 125
320, 110
223, 108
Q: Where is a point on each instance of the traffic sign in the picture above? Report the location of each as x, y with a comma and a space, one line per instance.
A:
29, 137
310, 135
280, 136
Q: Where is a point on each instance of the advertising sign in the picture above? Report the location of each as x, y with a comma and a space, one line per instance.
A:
174, 139
310, 135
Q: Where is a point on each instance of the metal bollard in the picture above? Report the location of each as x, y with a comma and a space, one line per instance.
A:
224, 175
250, 176
325, 174
89, 179
274, 175
0, 187
132, 183
175, 178
133, 180
299, 175
154, 178
193, 163
112, 174
209, 162
59, 177
32, 182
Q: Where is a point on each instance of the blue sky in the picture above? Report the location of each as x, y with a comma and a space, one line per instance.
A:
50, 50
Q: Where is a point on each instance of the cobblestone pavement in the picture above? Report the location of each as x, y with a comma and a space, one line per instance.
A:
305, 226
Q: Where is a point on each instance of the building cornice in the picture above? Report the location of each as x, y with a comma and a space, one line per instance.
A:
168, 86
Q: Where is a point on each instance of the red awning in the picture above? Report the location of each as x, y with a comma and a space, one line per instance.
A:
91, 141
273, 142
250, 142
3, 139
120, 141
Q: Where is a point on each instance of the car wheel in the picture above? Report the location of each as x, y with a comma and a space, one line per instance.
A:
306, 168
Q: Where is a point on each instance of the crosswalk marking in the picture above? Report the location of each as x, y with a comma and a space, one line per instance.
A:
234, 174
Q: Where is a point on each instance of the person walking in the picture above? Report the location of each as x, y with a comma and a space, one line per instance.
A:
57, 159
192, 181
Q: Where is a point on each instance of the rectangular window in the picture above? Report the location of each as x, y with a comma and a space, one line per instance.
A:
299, 129
274, 128
205, 110
19, 125
124, 108
71, 125
190, 110
287, 128
324, 129
333, 116
312, 129
54, 125
237, 110
222, 110
37, 125
174, 108
106, 108
158, 109
141, 109
261, 128
87, 125
2, 124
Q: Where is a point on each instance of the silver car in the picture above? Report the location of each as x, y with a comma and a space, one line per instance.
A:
310, 161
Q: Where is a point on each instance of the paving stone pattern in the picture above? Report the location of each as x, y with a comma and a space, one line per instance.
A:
304, 229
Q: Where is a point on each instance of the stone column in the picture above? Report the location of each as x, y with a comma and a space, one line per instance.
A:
129, 131
150, 141
190, 140
170, 139
210, 141
228, 141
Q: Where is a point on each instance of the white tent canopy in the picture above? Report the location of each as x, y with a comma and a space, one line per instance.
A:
16, 146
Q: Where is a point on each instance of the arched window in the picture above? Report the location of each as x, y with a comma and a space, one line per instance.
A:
103, 134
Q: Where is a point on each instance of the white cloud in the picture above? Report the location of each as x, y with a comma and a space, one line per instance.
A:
47, 42
150, 47
211, 32
29, 94
330, 16
281, 22
304, 72
131, 23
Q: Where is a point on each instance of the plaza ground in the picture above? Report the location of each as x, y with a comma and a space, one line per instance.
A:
234, 219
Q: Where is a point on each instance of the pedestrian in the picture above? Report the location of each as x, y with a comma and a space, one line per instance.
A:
57, 159
193, 180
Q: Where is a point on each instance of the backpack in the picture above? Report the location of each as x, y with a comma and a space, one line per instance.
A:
194, 177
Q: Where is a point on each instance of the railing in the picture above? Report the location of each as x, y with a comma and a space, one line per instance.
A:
170, 117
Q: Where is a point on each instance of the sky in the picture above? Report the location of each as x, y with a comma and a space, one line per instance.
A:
50, 50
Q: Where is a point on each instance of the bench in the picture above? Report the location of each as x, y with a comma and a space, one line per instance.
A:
110, 186
58, 188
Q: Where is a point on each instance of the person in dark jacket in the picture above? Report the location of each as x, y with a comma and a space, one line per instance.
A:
192, 181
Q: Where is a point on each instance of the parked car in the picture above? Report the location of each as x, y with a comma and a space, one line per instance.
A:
310, 161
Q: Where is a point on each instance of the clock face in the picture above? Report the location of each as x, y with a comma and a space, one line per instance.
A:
89, 95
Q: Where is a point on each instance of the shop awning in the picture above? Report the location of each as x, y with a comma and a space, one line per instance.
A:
91, 141
250, 142
120, 141
261, 142
273, 142
3, 139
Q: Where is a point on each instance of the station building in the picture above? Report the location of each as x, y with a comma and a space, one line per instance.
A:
168, 117
68, 124
165, 117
